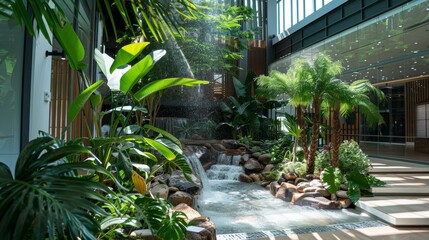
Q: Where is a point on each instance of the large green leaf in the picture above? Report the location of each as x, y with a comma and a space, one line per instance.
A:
139, 70
123, 221
158, 85
164, 133
359, 179
71, 44
333, 178
50, 201
167, 153
127, 53
79, 102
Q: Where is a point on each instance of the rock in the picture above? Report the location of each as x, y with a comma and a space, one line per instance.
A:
274, 186
181, 197
160, 191
310, 189
344, 187
334, 197
298, 180
324, 192
285, 192
208, 232
265, 183
291, 182
218, 147
321, 202
143, 234
290, 176
316, 183
173, 189
300, 186
298, 197
311, 176
178, 180
256, 155
252, 166
269, 176
341, 194
245, 157
281, 180
264, 158
163, 178
255, 177
245, 178
189, 211
344, 202
268, 168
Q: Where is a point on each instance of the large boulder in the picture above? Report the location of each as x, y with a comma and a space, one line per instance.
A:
253, 166
181, 197
298, 197
178, 180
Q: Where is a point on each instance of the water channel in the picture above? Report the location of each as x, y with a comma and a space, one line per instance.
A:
237, 207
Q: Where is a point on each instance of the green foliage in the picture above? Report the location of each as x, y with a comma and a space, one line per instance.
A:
165, 225
352, 158
294, 167
281, 151
333, 179
152, 18
47, 198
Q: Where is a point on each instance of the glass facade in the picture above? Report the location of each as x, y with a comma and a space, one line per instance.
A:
389, 50
291, 12
11, 70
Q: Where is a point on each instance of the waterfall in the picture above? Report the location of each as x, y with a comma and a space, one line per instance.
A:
224, 172
198, 169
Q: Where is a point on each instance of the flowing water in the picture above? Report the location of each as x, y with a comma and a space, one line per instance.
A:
237, 207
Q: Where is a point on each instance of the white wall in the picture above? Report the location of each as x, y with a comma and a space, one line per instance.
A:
40, 85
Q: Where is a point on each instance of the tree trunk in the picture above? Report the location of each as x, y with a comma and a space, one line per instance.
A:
336, 137
300, 119
314, 136
295, 145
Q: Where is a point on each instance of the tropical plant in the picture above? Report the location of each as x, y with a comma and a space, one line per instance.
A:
243, 114
112, 153
348, 98
351, 158
321, 76
296, 85
294, 130
51, 194
356, 182
153, 18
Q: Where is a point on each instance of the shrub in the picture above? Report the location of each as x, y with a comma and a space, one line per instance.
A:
351, 158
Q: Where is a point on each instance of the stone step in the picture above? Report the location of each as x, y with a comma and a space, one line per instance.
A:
392, 166
400, 184
397, 210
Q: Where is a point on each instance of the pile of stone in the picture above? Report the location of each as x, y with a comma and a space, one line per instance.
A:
180, 193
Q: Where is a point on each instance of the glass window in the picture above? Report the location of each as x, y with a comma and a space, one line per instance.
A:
318, 4
301, 6
11, 68
309, 7
294, 12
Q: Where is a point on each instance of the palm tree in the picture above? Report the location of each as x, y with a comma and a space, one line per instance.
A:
296, 86
321, 76
347, 99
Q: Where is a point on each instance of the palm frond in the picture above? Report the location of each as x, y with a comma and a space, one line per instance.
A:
47, 199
